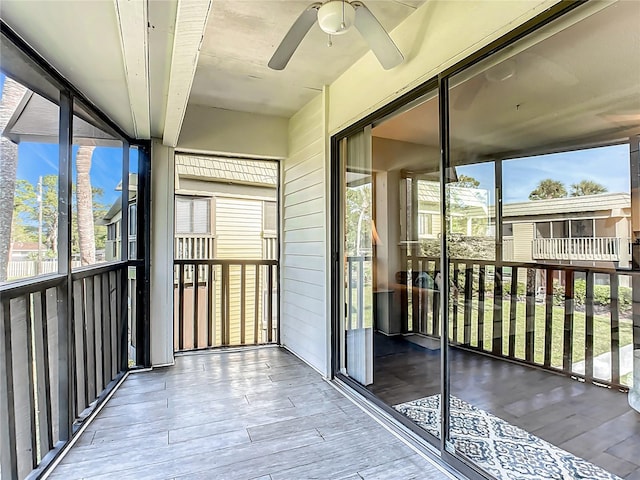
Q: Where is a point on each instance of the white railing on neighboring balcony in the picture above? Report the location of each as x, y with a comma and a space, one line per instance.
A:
507, 250
599, 248
194, 247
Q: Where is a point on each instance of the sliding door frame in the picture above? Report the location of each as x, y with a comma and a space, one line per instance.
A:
440, 85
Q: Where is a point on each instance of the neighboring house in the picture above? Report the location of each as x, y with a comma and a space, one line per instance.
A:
593, 230
113, 221
225, 208
469, 210
21, 251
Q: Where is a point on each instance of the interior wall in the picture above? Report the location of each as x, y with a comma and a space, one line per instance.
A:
162, 186
304, 301
431, 41
214, 130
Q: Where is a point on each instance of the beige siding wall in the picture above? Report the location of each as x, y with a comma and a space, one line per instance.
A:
522, 238
304, 313
238, 236
238, 228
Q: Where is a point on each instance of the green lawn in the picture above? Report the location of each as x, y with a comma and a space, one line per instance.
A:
601, 329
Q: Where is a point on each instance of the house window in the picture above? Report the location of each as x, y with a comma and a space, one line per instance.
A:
269, 217
133, 228
112, 231
425, 224
133, 219
543, 230
560, 229
193, 215
507, 229
582, 228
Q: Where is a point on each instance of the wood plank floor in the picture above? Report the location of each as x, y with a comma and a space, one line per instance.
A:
251, 414
592, 422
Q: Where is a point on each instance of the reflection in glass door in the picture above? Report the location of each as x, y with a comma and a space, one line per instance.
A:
391, 223
542, 303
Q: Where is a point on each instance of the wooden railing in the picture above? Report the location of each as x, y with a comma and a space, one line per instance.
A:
599, 248
61, 350
230, 303
556, 318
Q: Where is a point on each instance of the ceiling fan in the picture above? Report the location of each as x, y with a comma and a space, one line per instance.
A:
335, 17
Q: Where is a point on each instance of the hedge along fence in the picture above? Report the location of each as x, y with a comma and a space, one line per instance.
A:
601, 294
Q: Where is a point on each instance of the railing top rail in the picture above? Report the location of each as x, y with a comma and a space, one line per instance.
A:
194, 235
359, 258
225, 261
34, 284
539, 239
91, 270
540, 266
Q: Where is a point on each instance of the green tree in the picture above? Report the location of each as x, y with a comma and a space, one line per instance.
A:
548, 188
587, 187
466, 181
358, 219
27, 207
27, 210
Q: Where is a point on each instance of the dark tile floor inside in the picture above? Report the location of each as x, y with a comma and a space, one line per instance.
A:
592, 422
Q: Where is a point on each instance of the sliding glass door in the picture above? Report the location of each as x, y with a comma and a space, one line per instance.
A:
502, 213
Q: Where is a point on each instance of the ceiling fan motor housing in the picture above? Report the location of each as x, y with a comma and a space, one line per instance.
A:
336, 16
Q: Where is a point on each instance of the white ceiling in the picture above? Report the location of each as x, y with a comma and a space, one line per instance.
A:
97, 46
578, 87
88, 52
242, 35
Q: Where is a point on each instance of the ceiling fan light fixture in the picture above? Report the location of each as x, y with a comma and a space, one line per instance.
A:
336, 17
502, 71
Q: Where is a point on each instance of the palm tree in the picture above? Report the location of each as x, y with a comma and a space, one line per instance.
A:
548, 188
12, 93
84, 204
587, 187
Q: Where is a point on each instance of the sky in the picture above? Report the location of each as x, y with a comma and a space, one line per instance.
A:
608, 166
36, 159
40, 159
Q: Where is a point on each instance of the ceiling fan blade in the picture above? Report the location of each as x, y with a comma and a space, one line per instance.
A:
294, 36
376, 36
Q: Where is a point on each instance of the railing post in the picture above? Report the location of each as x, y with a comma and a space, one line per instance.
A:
615, 329
548, 318
481, 275
530, 315
8, 453
567, 351
210, 307
454, 308
196, 316
468, 302
496, 344
181, 307
513, 305
270, 303
588, 343
242, 302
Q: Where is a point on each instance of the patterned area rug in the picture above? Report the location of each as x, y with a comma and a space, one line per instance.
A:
503, 450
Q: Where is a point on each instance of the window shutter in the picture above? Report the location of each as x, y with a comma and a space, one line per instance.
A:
183, 215
270, 220
200, 215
